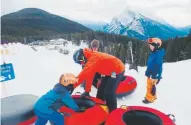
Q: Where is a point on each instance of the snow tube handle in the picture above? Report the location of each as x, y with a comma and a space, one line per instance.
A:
132, 81
123, 106
78, 93
173, 117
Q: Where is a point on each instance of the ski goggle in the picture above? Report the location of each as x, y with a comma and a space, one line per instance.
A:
154, 44
81, 61
79, 58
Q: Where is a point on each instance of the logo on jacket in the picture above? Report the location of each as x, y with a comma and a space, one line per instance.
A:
113, 75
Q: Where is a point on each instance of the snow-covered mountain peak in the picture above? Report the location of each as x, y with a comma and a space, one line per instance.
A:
134, 24
115, 21
127, 16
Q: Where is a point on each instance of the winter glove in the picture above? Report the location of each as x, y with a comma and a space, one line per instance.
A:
67, 78
158, 81
85, 95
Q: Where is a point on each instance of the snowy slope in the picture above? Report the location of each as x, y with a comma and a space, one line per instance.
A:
37, 72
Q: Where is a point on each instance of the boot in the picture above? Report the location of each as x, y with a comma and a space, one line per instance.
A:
146, 101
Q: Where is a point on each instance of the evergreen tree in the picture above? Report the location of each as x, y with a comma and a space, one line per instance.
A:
122, 54
144, 53
189, 35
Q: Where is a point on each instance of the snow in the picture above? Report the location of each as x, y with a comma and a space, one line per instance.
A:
38, 71
127, 16
114, 26
136, 26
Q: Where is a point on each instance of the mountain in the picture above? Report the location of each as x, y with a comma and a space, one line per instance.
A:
136, 25
186, 29
37, 22
96, 26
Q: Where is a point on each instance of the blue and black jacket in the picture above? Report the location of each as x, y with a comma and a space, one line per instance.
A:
154, 64
54, 99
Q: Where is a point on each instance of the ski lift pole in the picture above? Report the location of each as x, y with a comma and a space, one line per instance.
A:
145, 59
130, 46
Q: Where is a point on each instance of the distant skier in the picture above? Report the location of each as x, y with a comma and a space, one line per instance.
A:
154, 68
107, 65
95, 45
46, 108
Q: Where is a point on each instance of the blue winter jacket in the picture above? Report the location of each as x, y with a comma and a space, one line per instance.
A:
54, 99
154, 64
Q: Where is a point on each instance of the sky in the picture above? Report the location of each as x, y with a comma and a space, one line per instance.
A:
174, 12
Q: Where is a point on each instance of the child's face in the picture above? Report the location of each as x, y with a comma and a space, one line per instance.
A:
151, 47
67, 79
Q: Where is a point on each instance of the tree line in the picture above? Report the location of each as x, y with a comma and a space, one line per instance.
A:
177, 49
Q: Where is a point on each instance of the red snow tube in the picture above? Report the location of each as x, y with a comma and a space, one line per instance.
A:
138, 115
95, 114
126, 86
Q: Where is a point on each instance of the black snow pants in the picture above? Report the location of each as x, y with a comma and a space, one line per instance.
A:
107, 88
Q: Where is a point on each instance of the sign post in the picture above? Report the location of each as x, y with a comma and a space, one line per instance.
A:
7, 73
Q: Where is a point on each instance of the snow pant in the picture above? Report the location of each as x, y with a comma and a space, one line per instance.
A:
55, 118
107, 90
151, 89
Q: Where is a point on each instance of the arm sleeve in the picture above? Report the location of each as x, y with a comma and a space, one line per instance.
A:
150, 67
158, 71
87, 74
68, 101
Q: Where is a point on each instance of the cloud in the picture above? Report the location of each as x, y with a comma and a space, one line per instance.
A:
175, 12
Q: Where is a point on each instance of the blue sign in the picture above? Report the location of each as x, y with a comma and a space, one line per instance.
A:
7, 72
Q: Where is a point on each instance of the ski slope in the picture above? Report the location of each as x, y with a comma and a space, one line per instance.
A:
36, 72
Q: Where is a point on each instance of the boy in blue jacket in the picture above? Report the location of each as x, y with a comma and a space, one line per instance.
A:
154, 68
46, 108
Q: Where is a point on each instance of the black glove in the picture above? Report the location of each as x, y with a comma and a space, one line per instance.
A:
158, 81
70, 88
82, 109
85, 95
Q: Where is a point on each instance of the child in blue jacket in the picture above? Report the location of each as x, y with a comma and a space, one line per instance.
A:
154, 68
46, 108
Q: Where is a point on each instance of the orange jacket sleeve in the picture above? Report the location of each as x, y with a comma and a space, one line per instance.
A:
87, 74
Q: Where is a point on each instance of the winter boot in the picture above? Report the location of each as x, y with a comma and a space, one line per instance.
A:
146, 101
